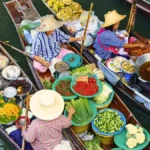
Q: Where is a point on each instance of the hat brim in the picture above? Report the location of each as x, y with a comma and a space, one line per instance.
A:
112, 23
46, 113
45, 29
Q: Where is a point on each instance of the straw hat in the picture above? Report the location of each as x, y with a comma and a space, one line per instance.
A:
47, 104
49, 23
111, 18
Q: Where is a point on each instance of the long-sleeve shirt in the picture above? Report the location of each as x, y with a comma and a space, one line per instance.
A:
107, 39
45, 135
48, 47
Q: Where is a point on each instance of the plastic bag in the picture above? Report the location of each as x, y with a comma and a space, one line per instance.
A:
25, 22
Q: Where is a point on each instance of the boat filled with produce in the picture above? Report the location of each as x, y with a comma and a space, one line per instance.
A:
100, 114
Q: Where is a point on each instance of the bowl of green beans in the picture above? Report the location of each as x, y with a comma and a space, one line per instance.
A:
108, 122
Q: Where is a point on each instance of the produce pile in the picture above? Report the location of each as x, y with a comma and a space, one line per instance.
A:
8, 111
81, 86
108, 121
47, 83
66, 10
25, 86
4, 61
104, 95
84, 113
88, 70
63, 88
93, 144
128, 67
135, 135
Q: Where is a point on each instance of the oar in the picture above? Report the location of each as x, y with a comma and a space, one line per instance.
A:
82, 46
16, 49
26, 117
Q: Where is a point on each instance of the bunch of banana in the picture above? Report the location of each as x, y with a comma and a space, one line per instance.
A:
67, 2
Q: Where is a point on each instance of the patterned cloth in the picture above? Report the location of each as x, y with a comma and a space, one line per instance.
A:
48, 47
107, 38
45, 135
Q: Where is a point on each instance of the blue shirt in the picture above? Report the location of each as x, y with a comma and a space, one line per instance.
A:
48, 47
107, 39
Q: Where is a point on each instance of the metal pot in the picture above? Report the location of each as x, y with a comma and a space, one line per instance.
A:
139, 62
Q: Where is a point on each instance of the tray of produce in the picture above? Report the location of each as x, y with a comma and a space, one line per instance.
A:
9, 112
132, 137
108, 122
79, 86
105, 97
62, 86
85, 111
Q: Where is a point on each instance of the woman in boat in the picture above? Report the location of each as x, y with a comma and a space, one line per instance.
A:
107, 43
45, 132
46, 45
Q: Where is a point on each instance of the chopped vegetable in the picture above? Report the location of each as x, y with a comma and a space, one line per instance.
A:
83, 109
63, 88
108, 121
83, 70
93, 144
135, 135
86, 89
104, 95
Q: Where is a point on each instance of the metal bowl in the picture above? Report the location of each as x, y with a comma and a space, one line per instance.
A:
27, 80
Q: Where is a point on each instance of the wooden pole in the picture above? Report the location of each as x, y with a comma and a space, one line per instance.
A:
82, 46
16, 49
26, 117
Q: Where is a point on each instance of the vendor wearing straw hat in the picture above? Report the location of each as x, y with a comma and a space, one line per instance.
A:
45, 132
47, 42
107, 43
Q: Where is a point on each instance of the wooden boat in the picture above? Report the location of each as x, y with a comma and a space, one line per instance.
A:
117, 103
143, 5
133, 95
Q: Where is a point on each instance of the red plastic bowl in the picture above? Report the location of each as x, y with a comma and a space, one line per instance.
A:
21, 118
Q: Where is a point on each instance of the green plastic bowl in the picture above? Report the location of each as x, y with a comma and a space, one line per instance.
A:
120, 140
66, 98
111, 96
83, 124
116, 149
73, 82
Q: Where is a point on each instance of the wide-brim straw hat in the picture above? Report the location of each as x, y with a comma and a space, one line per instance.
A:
46, 104
49, 23
111, 18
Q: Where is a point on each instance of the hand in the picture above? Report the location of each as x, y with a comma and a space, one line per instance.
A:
23, 128
45, 63
141, 45
81, 39
72, 111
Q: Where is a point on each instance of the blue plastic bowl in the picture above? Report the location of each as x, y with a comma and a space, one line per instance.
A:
75, 62
96, 130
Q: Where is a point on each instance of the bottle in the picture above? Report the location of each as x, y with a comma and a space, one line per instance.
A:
27, 36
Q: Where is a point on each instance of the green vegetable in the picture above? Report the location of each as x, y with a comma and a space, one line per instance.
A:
104, 95
83, 70
47, 84
25, 27
93, 144
108, 121
83, 112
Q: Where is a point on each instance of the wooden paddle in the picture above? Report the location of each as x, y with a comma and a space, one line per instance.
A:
26, 117
87, 22
16, 49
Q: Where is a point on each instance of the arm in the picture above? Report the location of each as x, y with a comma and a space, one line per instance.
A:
29, 134
133, 45
73, 39
42, 61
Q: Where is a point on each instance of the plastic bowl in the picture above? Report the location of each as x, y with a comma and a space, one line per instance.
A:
111, 96
120, 140
94, 114
96, 130
56, 83
76, 60
20, 121
73, 82
10, 92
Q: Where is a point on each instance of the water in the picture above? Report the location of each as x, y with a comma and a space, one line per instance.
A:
8, 33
